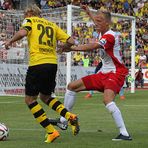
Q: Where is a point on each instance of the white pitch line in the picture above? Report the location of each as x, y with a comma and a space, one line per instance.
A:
29, 129
10, 102
133, 105
25, 129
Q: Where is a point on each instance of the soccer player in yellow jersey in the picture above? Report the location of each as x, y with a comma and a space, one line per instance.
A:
42, 36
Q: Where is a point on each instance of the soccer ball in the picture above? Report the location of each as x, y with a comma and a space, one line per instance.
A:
4, 132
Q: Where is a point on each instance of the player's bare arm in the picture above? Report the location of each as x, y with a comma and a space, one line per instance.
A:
85, 47
88, 12
65, 47
19, 35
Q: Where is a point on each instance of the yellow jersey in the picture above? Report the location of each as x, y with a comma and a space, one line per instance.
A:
42, 39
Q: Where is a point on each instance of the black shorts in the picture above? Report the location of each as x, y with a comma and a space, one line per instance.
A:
40, 79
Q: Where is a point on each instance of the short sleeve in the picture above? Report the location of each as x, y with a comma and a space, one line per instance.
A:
61, 35
27, 25
107, 41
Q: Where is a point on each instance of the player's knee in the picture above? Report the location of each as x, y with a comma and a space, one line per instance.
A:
44, 98
71, 93
107, 101
29, 100
71, 86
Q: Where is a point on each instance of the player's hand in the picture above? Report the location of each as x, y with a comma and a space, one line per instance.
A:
7, 44
60, 51
74, 48
85, 8
62, 48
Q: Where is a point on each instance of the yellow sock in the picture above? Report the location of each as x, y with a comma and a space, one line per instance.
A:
41, 117
59, 107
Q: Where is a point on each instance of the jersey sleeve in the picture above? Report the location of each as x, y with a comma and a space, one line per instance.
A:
27, 25
107, 41
61, 35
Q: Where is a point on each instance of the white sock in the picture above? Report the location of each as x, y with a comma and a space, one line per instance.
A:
69, 101
116, 114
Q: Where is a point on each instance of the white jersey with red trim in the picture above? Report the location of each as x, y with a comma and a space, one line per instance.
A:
111, 54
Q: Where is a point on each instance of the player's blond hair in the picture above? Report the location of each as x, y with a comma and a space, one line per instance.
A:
34, 10
106, 14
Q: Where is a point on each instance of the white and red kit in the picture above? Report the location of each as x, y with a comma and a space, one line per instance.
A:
113, 72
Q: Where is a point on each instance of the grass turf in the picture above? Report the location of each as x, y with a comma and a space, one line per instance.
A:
97, 126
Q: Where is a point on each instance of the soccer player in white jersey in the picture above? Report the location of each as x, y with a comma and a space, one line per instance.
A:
109, 79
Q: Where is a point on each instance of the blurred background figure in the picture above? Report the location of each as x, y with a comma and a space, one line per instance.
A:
139, 78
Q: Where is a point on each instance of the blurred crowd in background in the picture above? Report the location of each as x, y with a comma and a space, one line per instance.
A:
86, 33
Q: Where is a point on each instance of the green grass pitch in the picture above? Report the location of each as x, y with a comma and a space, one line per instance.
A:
96, 124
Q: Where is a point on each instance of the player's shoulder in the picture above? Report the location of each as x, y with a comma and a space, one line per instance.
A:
110, 35
29, 19
26, 20
36, 19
